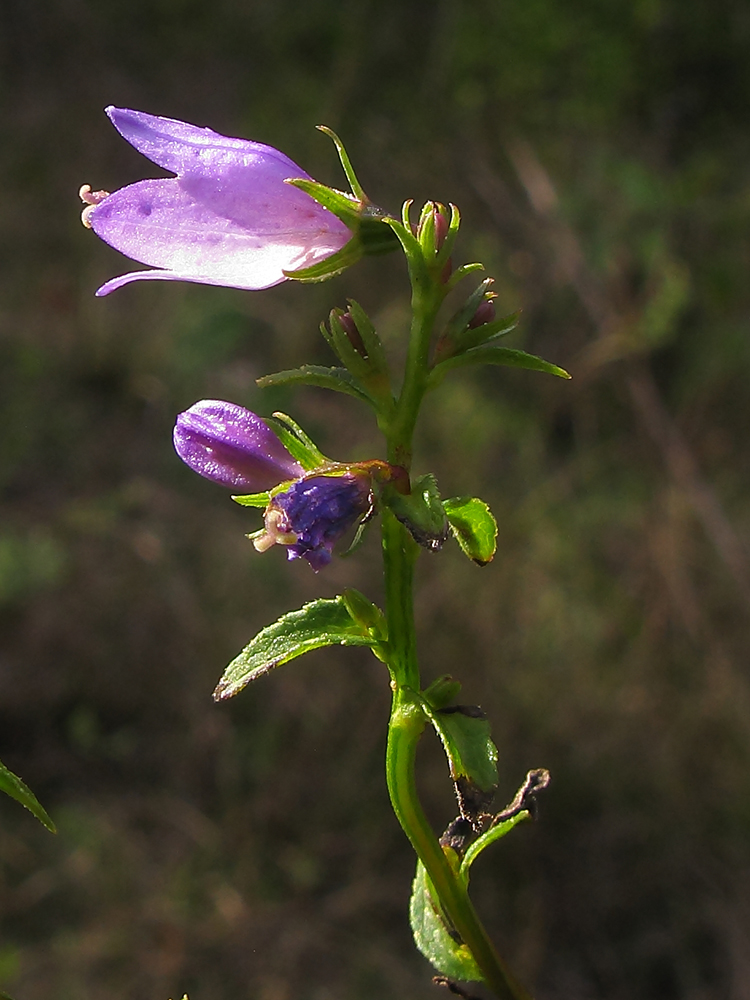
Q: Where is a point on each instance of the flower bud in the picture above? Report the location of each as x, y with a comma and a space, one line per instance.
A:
230, 445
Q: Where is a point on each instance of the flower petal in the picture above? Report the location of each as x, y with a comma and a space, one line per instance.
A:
190, 230
182, 148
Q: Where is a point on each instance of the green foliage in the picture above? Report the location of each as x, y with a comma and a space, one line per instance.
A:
12, 785
434, 936
491, 354
319, 623
421, 512
338, 379
473, 527
464, 731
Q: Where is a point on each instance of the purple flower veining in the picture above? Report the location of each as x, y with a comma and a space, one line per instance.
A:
229, 445
227, 218
313, 514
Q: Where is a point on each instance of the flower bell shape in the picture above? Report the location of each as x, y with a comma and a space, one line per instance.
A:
227, 218
313, 514
229, 445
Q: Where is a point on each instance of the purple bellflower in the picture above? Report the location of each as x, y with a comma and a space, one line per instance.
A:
230, 445
227, 218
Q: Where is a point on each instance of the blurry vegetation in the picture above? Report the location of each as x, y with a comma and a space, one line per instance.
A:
599, 153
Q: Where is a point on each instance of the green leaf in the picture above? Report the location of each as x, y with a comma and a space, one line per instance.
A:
434, 936
493, 354
494, 833
338, 379
12, 785
421, 512
464, 732
320, 623
473, 527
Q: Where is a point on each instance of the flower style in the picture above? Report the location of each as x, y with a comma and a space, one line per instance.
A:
229, 445
227, 218
313, 514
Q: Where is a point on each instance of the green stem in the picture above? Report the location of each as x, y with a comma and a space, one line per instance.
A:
407, 723
407, 718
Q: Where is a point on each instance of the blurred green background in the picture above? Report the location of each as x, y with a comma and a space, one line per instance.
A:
599, 151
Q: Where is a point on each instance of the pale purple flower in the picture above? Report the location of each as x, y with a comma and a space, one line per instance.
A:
229, 445
227, 218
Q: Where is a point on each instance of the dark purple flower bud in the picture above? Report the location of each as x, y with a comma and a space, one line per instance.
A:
352, 332
313, 514
485, 312
231, 446
227, 218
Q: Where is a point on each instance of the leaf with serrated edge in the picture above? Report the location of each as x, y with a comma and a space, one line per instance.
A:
338, 379
319, 623
12, 785
491, 354
473, 527
433, 935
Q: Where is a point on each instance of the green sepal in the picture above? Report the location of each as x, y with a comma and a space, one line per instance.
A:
370, 337
491, 354
434, 935
325, 622
338, 379
473, 527
461, 272
12, 785
337, 263
346, 207
357, 190
253, 500
421, 512
299, 444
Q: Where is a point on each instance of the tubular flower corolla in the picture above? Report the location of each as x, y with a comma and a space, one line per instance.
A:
229, 445
313, 514
227, 218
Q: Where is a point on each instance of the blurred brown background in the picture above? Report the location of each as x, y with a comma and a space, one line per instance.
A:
598, 150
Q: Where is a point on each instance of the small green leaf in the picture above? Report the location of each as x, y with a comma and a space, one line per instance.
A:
320, 623
365, 613
473, 527
489, 837
338, 379
12, 785
434, 936
464, 732
441, 692
492, 354
421, 512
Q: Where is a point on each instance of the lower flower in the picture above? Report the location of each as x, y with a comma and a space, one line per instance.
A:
313, 513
